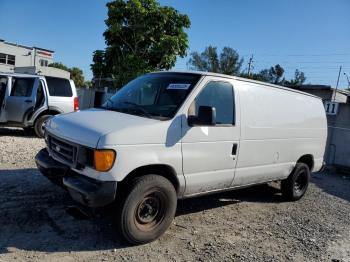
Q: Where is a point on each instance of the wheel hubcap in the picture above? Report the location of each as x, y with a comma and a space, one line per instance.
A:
300, 182
150, 211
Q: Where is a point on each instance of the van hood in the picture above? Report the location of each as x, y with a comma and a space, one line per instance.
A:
88, 127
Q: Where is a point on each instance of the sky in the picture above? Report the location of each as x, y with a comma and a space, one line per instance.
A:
310, 35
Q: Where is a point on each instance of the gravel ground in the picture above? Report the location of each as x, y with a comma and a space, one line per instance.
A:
254, 224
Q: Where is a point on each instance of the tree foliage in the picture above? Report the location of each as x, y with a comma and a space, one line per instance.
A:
99, 67
59, 65
141, 36
272, 75
76, 74
275, 75
228, 62
299, 79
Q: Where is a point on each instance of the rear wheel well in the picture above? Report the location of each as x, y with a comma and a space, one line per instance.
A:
48, 112
157, 169
308, 160
29, 115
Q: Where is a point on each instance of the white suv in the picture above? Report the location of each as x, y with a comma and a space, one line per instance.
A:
172, 135
27, 101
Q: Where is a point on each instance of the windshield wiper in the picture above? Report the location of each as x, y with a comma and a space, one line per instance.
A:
139, 107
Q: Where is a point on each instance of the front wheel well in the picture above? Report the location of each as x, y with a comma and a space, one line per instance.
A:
308, 160
157, 169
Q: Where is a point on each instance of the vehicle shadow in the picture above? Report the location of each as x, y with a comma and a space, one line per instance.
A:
33, 214
16, 132
264, 193
332, 183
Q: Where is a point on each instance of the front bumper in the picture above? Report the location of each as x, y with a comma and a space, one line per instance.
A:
50, 168
87, 191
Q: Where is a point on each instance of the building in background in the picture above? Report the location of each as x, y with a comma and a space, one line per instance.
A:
327, 93
337, 107
15, 55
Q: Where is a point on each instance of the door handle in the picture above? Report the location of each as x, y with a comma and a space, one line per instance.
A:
28, 101
234, 149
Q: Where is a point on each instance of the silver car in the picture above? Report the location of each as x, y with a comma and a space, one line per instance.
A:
27, 101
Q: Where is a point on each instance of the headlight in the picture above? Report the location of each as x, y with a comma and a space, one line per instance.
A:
104, 159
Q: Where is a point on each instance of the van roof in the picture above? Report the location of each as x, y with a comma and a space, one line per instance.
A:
239, 79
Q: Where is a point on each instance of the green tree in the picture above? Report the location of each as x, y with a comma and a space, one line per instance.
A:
88, 84
272, 75
76, 74
299, 79
99, 65
229, 62
141, 36
59, 65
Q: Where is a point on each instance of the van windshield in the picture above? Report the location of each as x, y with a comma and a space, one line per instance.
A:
157, 95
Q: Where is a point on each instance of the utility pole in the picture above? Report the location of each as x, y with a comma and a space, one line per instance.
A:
336, 87
347, 77
250, 64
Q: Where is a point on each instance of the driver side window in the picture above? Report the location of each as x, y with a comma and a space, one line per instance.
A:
220, 95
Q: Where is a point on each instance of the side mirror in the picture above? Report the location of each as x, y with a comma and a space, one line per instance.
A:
206, 117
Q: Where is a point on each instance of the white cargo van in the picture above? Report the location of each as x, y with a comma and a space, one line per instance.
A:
172, 135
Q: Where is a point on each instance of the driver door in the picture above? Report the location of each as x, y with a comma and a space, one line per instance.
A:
210, 152
21, 99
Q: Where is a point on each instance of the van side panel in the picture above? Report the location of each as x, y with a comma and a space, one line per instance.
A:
277, 128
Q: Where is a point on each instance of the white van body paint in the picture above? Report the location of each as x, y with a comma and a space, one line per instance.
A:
274, 127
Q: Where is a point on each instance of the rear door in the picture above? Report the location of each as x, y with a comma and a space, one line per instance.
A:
210, 152
40, 101
61, 94
21, 99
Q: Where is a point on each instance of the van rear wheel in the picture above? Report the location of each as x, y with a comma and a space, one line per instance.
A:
39, 125
295, 186
147, 210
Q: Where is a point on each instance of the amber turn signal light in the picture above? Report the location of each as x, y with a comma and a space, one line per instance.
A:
104, 159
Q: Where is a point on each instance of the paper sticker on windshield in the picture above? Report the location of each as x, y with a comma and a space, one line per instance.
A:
179, 86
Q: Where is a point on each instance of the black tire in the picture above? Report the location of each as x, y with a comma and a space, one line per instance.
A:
295, 186
38, 125
147, 210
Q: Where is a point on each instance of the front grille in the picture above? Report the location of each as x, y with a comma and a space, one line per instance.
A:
63, 150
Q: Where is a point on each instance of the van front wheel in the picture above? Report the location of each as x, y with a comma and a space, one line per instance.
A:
39, 125
148, 209
295, 186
